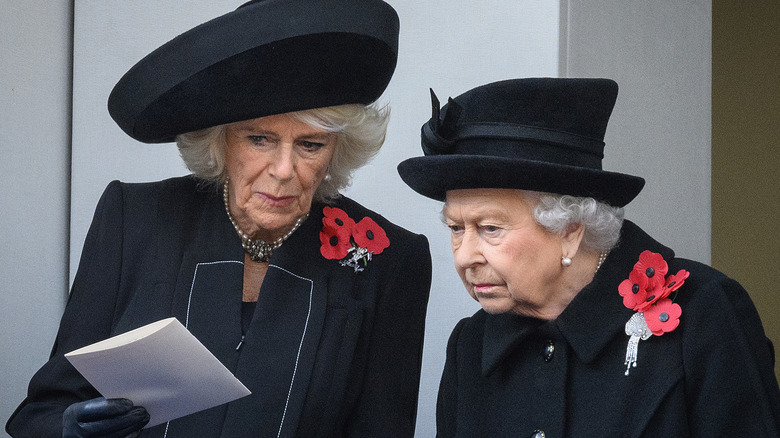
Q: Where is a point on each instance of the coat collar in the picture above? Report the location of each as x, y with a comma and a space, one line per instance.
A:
502, 334
593, 318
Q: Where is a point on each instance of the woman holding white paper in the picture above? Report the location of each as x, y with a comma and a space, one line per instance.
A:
294, 288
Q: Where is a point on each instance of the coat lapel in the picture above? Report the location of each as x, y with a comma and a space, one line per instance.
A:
278, 354
208, 288
502, 334
207, 299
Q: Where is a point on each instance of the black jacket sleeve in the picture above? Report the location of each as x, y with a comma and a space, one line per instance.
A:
730, 383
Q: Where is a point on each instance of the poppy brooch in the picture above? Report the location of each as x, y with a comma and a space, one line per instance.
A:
646, 291
352, 242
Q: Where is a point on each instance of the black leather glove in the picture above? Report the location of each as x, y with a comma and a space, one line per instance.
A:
100, 417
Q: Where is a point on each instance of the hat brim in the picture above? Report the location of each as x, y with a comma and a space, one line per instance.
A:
267, 58
433, 176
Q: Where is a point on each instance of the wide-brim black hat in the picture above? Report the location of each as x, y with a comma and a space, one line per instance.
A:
266, 57
540, 134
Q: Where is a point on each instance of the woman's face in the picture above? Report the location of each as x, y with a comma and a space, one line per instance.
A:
275, 165
506, 260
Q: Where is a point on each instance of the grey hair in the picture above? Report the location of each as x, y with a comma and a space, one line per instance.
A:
360, 131
601, 222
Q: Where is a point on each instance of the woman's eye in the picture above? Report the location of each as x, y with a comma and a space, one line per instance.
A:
491, 229
312, 145
258, 140
455, 228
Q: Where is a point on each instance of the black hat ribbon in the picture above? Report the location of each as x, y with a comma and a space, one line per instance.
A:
437, 132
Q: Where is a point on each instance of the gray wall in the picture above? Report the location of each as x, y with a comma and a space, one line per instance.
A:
35, 64
658, 52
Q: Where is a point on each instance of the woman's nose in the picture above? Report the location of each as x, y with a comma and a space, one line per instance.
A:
283, 167
468, 252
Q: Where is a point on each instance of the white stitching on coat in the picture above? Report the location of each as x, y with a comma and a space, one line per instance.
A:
300, 345
189, 302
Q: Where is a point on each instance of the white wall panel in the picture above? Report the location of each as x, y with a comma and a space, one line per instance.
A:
35, 47
659, 52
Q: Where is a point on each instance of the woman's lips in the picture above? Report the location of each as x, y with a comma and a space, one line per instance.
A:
276, 201
482, 287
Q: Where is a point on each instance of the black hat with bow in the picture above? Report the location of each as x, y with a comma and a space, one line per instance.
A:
267, 57
540, 134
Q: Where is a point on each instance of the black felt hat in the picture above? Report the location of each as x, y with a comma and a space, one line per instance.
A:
266, 57
541, 134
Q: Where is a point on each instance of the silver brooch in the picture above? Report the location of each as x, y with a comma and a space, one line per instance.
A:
637, 329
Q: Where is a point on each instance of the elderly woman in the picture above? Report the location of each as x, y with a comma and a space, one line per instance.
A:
588, 326
294, 288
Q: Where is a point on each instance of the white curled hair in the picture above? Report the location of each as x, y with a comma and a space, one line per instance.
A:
601, 222
360, 131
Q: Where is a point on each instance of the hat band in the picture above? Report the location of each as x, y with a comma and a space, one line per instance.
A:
524, 132
518, 142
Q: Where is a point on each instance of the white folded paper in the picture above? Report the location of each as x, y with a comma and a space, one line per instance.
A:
160, 366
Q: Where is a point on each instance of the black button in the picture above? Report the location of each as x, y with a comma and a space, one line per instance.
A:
549, 351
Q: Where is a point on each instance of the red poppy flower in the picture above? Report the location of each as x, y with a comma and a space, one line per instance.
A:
369, 235
651, 299
633, 290
335, 242
653, 266
663, 317
337, 218
673, 282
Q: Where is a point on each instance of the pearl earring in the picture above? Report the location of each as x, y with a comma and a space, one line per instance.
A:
565, 261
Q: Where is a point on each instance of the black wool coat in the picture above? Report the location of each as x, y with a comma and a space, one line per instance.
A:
330, 352
513, 376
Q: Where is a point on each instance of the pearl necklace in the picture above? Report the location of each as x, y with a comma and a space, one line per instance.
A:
258, 250
602, 257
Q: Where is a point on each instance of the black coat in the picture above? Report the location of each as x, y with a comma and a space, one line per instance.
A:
713, 376
330, 351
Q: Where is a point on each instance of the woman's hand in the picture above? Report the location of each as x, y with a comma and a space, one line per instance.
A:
100, 417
